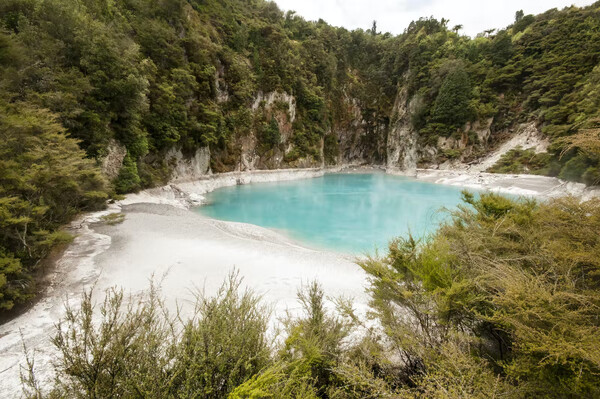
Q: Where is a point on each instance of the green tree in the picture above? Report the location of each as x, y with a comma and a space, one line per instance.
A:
519, 15
45, 180
269, 136
373, 30
452, 104
128, 179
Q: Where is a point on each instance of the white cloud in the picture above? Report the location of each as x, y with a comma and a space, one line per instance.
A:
395, 15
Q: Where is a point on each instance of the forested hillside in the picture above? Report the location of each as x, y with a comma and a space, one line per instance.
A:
130, 87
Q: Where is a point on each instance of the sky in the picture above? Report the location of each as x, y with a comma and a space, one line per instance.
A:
395, 15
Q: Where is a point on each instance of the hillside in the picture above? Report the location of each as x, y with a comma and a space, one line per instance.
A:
146, 87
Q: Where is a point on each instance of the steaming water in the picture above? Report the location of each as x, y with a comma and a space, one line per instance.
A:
352, 213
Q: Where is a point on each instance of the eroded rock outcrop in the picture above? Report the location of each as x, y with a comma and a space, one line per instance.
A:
272, 98
113, 161
355, 137
360, 135
191, 167
402, 140
526, 136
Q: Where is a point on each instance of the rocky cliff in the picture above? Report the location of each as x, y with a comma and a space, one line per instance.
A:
395, 145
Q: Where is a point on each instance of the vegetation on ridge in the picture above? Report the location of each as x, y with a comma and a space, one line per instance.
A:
162, 74
158, 74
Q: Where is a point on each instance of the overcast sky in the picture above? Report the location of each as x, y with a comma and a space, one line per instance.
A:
395, 15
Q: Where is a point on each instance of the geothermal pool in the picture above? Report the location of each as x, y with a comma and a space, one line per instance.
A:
352, 213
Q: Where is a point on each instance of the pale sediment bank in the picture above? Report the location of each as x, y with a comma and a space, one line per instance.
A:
187, 193
527, 185
161, 239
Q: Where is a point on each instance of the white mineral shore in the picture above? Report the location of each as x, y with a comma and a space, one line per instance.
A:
162, 239
526, 185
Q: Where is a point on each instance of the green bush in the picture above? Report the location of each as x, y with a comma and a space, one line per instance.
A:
268, 135
503, 296
591, 176
128, 179
575, 168
452, 153
138, 349
522, 161
224, 345
12, 278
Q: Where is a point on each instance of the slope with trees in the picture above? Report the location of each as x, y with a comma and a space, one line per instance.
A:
154, 76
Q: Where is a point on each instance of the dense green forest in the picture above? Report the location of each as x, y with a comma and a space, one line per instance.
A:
501, 302
77, 76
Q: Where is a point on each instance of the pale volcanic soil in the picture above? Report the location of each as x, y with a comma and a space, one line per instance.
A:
183, 252
162, 241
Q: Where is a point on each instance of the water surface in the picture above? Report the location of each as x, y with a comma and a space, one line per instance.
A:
352, 213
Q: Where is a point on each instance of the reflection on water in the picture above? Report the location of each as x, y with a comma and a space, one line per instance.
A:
353, 213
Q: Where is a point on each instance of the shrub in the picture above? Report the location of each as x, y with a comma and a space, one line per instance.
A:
509, 288
132, 347
520, 161
128, 179
574, 168
268, 135
452, 153
591, 176
224, 345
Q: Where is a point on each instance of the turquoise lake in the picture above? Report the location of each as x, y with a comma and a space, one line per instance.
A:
351, 213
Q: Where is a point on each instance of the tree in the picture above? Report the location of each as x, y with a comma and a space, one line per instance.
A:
374, 29
45, 180
519, 15
268, 135
128, 179
452, 104
13, 279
